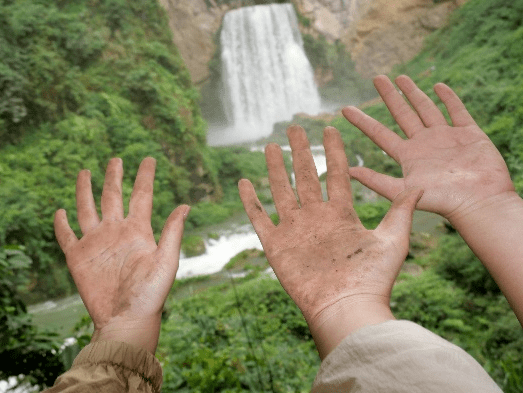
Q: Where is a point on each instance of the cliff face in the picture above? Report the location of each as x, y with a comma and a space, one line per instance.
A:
391, 33
194, 25
378, 33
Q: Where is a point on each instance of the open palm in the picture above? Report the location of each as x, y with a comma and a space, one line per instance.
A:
320, 251
456, 165
121, 274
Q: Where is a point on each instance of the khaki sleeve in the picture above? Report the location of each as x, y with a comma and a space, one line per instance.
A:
400, 356
108, 367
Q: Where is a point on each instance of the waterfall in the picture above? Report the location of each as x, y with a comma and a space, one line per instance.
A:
266, 75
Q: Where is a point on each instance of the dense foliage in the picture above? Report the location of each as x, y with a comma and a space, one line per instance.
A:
25, 349
81, 82
237, 337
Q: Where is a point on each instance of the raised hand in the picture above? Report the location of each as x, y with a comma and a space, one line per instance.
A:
122, 276
457, 166
338, 273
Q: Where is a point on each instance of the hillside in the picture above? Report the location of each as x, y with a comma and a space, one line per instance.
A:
81, 82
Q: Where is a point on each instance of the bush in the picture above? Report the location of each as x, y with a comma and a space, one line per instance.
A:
29, 352
235, 338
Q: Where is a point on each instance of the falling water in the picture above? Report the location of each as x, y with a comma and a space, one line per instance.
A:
266, 75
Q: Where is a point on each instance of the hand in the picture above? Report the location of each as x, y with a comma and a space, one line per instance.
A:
457, 166
122, 276
338, 273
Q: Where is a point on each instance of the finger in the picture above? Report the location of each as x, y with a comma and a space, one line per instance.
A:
458, 113
307, 182
112, 205
85, 206
387, 140
254, 209
64, 234
398, 220
384, 185
405, 116
282, 193
171, 238
141, 203
426, 108
338, 183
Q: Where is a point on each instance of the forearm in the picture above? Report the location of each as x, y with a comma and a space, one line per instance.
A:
493, 229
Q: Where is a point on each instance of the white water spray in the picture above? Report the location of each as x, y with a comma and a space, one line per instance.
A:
266, 75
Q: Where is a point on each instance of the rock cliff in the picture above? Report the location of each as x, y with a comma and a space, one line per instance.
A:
378, 33
391, 33
193, 24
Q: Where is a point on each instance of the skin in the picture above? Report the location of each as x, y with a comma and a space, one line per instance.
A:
122, 275
338, 273
463, 175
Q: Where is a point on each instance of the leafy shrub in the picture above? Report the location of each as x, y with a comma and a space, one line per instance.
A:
27, 350
455, 262
246, 337
193, 245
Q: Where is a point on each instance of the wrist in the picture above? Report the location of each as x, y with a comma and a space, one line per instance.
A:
334, 323
470, 212
138, 333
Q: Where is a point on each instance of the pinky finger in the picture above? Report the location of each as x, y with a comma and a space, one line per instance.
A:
384, 185
64, 234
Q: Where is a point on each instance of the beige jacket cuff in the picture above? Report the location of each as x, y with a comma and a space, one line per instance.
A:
400, 356
110, 366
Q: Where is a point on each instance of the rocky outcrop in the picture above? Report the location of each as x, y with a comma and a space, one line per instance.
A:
331, 18
194, 25
392, 33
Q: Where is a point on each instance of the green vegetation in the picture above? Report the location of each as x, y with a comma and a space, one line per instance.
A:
247, 260
237, 337
85, 81
25, 349
193, 245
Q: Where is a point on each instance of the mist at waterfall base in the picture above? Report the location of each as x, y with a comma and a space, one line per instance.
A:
265, 75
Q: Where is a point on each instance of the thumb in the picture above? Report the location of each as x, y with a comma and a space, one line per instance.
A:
397, 223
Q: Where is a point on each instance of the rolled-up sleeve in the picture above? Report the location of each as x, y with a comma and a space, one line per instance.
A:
110, 366
400, 356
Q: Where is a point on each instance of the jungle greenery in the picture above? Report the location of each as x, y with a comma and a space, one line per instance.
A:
82, 81
26, 350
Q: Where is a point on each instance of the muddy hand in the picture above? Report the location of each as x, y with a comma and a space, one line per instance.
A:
122, 275
339, 273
